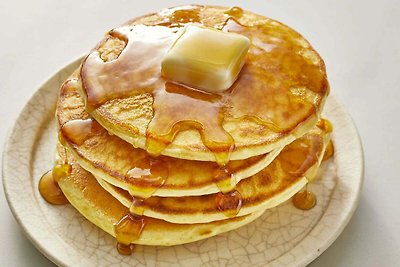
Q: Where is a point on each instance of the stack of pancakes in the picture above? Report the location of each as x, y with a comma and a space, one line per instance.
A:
157, 163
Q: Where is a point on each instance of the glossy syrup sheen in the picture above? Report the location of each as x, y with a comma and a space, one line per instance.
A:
301, 155
78, 131
235, 12
48, 184
229, 203
304, 200
130, 227
278, 87
329, 151
144, 174
127, 230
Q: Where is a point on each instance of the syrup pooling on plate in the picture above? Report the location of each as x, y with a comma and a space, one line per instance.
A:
50, 190
304, 200
48, 184
125, 249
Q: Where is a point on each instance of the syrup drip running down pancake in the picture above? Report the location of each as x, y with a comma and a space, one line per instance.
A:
291, 170
116, 161
277, 96
221, 147
99, 207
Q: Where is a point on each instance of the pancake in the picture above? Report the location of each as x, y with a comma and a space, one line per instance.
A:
103, 210
277, 97
293, 168
110, 158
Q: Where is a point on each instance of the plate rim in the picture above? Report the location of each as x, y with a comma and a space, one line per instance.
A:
53, 255
28, 233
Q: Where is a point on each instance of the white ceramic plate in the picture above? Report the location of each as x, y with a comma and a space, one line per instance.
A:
283, 236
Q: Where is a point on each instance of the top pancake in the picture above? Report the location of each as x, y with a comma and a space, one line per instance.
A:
278, 96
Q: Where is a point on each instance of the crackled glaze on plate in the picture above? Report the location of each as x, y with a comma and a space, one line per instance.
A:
283, 236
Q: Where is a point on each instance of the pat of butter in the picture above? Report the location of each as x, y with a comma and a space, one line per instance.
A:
206, 58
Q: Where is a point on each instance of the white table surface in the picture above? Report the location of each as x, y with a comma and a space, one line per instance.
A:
359, 40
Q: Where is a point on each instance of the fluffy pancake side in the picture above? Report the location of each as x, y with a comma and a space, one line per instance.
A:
294, 167
103, 210
110, 158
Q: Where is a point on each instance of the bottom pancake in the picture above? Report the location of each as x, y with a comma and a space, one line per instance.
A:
103, 210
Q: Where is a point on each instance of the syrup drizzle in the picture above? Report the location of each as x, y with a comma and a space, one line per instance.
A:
314, 145
275, 67
147, 175
127, 230
130, 227
48, 184
78, 131
229, 203
302, 154
224, 179
176, 109
183, 16
235, 12
282, 74
304, 200
50, 190
327, 127
329, 151
179, 16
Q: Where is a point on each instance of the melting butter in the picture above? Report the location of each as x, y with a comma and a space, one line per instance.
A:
206, 58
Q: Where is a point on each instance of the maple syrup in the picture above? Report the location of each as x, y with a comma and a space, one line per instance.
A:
235, 12
130, 227
325, 125
125, 249
304, 200
60, 171
184, 16
277, 88
224, 179
147, 175
127, 230
77, 131
50, 190
301, 155
229, 203
329, 151
137, 206
150, 174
